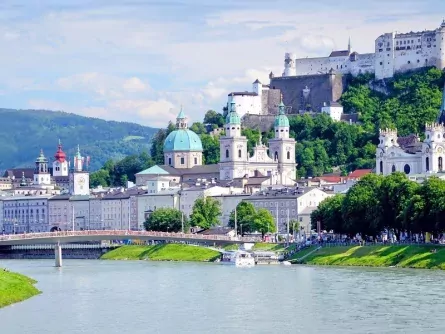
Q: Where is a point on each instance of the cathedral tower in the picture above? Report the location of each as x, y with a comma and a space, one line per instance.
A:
79, 179
233, 148
41, 173
60, 164
282, 147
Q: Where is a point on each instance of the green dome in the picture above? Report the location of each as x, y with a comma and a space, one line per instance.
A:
41, 158
232, 116
281, 119
182, 140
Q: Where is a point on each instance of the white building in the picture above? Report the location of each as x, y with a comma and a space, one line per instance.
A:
276, 161
25, 214
79, 179
290, 204
334, 110
394, 52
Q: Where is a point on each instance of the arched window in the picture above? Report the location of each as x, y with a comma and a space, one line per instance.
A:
427, 164
276, 155
440, 162
239, 153
393, 169
169, 161
227, 153
196, 161
381, 167
407, 169
288, 155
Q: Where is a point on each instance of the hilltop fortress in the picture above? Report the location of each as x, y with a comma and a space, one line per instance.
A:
394, 53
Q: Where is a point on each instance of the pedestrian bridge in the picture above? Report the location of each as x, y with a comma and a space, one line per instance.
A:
62, 237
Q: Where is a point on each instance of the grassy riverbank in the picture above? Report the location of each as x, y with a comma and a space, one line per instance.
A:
379, 256
164, 252
15, 288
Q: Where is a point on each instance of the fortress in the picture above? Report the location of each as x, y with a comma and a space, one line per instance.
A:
394, 53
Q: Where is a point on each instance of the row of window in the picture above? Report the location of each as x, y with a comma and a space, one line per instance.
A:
407, 168
182, 161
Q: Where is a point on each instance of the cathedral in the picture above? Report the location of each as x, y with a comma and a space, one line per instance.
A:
409, 154
183, 154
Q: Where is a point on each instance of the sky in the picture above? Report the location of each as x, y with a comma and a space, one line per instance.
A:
140, 60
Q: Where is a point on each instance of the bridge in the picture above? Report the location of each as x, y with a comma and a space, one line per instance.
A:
60, 237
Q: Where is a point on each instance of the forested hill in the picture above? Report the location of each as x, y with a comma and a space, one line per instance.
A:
405, 102
24, 132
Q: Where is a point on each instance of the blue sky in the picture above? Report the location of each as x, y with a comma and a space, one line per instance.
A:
140, 60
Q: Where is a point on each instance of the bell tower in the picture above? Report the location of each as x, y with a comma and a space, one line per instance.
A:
79, 178
41, 173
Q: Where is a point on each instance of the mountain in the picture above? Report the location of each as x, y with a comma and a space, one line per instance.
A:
24, 132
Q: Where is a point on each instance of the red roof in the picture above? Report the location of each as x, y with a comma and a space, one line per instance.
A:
330, 179
358, 173
60, 155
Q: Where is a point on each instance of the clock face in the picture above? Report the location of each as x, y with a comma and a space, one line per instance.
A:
81, 180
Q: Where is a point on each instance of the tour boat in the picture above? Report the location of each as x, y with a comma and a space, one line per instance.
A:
238, 258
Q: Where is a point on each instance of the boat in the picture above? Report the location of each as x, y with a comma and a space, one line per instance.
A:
286, 263
238, 258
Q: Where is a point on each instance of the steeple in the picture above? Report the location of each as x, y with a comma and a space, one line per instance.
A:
23, 182
441, 117
78, 161
232, 116
181, 120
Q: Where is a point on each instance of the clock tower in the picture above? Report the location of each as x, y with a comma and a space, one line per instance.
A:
79, 179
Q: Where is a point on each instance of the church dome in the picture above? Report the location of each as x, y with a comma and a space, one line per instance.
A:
41, 158
182, 140
60, 156
281, 120
232, 116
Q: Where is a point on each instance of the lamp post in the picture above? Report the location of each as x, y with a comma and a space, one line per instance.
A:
241, 226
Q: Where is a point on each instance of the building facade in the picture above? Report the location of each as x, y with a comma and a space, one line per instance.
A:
393, 53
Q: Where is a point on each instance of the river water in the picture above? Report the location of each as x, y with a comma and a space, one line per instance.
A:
93, 296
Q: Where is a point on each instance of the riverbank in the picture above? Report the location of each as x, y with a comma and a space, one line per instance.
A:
163, 252
15, 288
421, 257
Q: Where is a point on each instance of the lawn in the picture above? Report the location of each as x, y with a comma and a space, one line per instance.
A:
295, 257
380, 256
268, 246
15, 288
163, 252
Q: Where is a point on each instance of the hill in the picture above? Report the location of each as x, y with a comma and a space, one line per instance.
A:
25, 132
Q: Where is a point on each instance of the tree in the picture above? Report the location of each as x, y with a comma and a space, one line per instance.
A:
294, 226
212, 117
100, 178
329, 214
166, 220
244, 213
263, 222
206, 212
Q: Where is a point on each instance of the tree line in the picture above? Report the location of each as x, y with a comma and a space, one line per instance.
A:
377, 203
206, 213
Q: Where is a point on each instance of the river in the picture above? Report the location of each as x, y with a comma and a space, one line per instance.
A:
93, 296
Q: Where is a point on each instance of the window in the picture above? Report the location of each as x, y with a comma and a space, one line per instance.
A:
169, 161
381, 167
427, 164
288, 155
381, 63
407, 169
393, 169
227, 153
239, 153
276, 155
440, 162
196, 161
182, 161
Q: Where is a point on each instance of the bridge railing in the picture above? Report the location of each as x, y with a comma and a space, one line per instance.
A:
122, 233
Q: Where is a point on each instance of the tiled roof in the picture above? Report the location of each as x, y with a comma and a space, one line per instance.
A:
359, 173
342, 53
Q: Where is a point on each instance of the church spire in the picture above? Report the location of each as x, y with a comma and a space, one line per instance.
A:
181, 120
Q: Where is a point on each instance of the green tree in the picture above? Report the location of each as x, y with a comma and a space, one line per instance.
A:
263, 222
100, 178
166, 220
329, 214
210, 145
198, 128
213, 117
244, 213
206, 212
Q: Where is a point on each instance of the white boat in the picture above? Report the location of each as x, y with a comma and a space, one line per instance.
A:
238, 258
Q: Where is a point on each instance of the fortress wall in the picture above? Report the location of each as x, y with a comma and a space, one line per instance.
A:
322, 88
